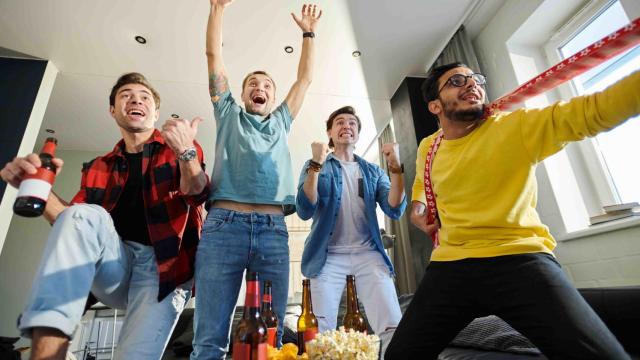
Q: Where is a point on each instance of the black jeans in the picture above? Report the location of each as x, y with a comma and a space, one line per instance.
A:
528, 291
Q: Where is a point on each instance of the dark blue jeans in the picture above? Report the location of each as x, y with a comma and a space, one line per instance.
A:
232, 242
528, 291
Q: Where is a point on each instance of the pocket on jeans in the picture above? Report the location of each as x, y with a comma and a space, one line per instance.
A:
212, 224
282, 230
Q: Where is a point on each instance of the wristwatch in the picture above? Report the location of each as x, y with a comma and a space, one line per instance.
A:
188, 154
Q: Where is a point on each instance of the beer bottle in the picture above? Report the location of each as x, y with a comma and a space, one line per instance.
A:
250, 338
307, 322
35, 188
353, 319
268, 315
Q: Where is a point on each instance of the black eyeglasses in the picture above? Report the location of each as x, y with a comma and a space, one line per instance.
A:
460, 80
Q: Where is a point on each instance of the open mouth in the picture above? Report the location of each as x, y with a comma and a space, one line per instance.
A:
135, 112
258, 99
471, 96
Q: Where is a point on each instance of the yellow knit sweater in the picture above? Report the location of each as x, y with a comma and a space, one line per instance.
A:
485, 183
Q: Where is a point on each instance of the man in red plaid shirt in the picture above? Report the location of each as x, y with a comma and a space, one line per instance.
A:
128, 236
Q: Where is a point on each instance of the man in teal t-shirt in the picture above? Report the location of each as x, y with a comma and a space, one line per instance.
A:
252, 188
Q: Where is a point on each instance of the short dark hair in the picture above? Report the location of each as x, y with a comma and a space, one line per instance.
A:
133, 78
258, 72
430, 84
343, 110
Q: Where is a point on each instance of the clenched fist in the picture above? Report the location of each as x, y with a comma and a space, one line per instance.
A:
319, 151
391, 153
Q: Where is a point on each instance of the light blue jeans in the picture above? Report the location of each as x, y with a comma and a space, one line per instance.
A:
232, 242
84, 252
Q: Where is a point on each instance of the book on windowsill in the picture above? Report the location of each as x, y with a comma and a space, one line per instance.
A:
613, 215
619, 207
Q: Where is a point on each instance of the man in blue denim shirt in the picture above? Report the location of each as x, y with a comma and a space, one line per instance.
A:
341, 194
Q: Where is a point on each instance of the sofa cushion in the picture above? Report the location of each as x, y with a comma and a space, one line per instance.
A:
492, 333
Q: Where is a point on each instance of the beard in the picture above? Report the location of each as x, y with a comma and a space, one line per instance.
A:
469, 115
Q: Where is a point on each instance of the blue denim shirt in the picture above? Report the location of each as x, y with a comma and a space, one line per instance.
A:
325, 210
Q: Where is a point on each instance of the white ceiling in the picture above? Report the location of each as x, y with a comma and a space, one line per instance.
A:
91, 42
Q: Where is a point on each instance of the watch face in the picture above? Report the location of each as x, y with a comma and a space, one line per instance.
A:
188, 155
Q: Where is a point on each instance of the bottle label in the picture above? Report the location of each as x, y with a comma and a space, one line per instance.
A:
244, 352
310, 334
35, 187
271, 336
252, 298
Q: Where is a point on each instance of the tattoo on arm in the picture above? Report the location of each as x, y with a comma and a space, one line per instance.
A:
217, 85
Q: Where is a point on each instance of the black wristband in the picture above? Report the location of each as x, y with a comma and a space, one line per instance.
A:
309, 34
398, 170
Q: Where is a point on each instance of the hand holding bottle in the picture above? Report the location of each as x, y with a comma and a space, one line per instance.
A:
14, 171
35, 175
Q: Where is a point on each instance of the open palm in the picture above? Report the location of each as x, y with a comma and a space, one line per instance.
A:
310, 15
220, 2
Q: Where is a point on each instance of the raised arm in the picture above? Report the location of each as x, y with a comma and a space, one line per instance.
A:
319, 153
391, 153
180, 135
307, 23
218, 83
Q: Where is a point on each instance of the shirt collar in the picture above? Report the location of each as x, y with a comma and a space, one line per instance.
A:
118, 150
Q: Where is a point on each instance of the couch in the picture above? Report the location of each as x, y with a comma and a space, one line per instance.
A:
485, 338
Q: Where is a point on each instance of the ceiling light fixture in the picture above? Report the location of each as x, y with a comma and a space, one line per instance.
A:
175, 116
356, 54
141, 39
288, 49
50, 131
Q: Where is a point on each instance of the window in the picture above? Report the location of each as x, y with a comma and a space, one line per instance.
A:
616, 146
611, 154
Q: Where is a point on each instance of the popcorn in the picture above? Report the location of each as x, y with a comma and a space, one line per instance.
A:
344, 345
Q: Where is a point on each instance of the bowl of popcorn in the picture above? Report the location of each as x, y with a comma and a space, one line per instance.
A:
343, 345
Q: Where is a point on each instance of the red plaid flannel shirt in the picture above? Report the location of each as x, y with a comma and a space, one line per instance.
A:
174, 220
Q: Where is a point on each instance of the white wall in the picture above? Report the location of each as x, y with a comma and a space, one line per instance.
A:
25, 243
606, 259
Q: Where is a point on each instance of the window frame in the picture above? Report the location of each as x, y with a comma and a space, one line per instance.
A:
594, 181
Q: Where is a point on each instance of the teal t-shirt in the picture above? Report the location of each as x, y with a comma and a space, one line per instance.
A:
252, 159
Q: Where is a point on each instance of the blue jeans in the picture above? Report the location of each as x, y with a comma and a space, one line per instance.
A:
84, 252
232, 242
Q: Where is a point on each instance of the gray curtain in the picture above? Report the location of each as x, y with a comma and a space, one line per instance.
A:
459, 49
400, 253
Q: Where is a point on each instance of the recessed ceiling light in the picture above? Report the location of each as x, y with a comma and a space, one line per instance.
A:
288, 49
50, 131
175, 116
356, 54
141, 39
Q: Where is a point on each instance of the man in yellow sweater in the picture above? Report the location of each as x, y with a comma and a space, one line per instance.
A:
495, 255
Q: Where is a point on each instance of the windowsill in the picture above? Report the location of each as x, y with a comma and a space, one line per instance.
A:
609, 226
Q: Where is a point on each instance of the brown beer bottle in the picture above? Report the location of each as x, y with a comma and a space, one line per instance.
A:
268, 315
250, 338
307, 322
35, 188
353, 319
